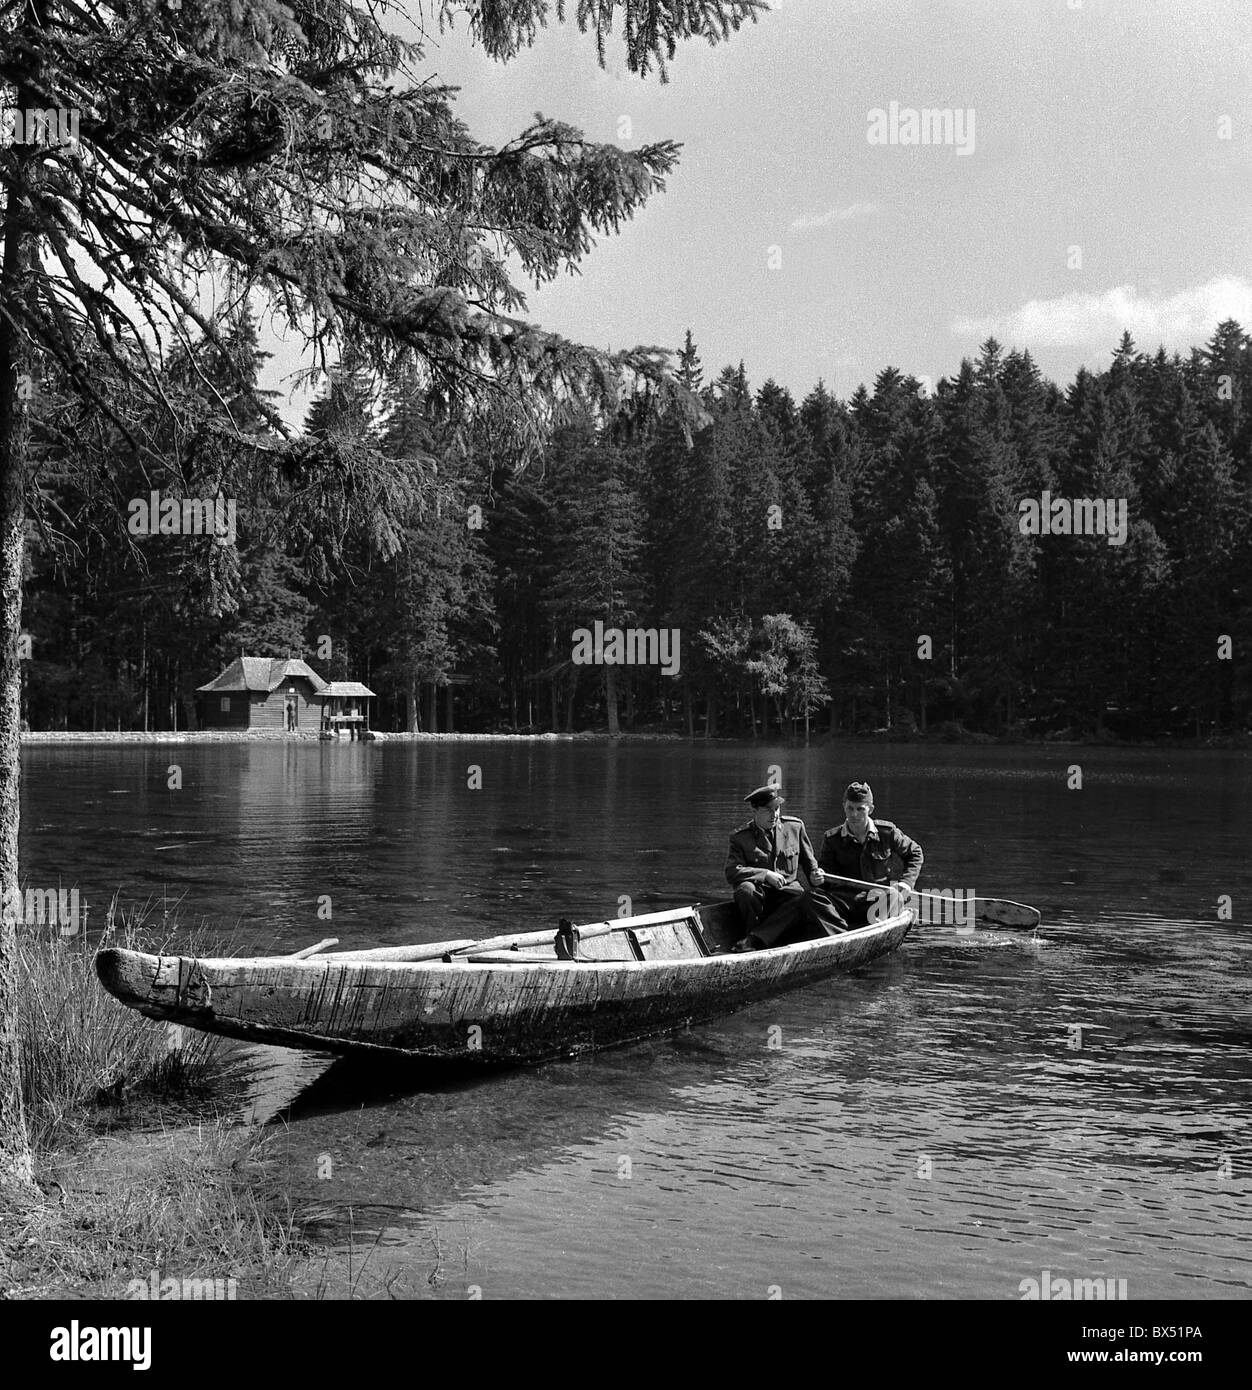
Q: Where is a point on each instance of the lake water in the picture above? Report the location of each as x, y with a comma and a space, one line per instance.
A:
945, 1124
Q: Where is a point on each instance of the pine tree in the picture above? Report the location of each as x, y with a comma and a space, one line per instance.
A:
892, 597
982, 481
517, 529
688, 503
690, 371
1221, 381
597, 574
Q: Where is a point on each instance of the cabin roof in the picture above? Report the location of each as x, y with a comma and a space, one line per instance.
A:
262, 674
346, 688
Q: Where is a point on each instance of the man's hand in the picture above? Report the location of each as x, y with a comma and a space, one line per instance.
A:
817, 877
903, 889
773, 879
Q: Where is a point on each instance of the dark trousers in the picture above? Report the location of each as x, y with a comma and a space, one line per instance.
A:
768, 913
849, 912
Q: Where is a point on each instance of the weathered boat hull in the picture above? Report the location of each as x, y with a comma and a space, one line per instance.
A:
507, 1007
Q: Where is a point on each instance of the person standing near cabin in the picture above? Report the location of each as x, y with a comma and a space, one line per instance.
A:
863, 848
761, 867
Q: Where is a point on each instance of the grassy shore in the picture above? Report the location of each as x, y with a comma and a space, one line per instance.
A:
195, 1198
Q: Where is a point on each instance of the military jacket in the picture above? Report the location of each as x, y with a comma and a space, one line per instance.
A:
754, 852
842, 855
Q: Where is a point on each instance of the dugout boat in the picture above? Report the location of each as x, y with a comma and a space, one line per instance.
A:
502, 1000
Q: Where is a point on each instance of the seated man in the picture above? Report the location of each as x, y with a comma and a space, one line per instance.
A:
861, 848
761, 866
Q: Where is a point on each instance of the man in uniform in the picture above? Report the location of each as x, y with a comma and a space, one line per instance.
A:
761, 867
862, 848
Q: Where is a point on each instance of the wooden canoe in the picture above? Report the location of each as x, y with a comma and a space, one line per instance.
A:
502, 1000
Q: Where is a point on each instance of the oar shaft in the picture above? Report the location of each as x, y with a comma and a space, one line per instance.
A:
862, 883
313, 950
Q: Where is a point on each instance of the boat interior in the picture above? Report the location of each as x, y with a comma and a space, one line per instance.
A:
687, 933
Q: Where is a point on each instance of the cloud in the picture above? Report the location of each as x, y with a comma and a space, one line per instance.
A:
1083, 320
806, 224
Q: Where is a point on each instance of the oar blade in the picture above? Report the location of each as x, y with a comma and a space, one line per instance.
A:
1002, 912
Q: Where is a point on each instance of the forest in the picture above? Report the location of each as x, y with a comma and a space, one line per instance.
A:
851, 566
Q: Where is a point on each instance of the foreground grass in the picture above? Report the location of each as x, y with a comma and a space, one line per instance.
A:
115, 1205
84, 1052
194, 1203
197, 1204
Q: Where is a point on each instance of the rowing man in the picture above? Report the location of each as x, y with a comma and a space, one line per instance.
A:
862, 848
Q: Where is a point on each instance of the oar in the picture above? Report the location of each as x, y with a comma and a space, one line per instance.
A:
1000, 912
411, 955
313, 950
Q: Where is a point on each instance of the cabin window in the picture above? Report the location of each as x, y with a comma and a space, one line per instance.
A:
225, 704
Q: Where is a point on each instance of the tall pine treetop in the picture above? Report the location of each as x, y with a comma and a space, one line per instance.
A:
300, 152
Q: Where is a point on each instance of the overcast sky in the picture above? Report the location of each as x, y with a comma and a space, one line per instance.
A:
1090, 186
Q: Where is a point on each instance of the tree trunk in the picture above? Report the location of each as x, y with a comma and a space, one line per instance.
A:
570, 692
448, 708
432, 708
410, 718
689, 713
610, 699
16, 379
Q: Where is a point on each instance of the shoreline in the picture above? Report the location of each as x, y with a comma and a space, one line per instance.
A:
312, 736
1225, 742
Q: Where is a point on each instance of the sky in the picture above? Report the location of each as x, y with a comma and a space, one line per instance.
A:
1095, 178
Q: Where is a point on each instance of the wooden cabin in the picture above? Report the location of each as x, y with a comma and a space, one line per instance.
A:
261, 692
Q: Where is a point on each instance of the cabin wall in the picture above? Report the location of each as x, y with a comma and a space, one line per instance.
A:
257, 710
211, 715
269, 712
